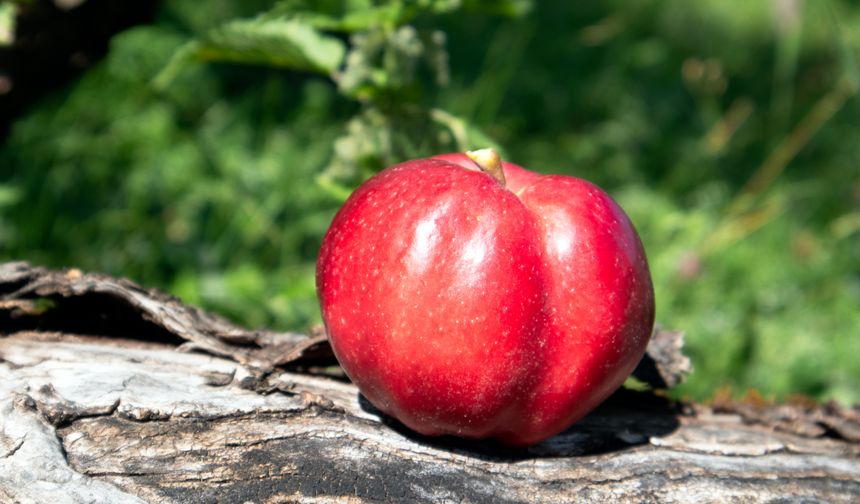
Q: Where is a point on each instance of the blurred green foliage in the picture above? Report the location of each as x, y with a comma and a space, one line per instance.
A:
209, 151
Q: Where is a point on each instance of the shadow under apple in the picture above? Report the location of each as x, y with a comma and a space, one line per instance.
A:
628, 418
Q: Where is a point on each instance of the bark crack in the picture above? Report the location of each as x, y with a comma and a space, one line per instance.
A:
15, 447
63, 414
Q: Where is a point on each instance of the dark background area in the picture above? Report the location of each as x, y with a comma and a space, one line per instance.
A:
53, 45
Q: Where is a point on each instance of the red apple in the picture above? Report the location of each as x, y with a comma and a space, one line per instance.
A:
479, 299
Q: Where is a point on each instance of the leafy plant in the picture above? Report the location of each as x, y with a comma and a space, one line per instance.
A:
209, 151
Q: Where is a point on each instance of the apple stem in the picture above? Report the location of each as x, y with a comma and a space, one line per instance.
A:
489, 161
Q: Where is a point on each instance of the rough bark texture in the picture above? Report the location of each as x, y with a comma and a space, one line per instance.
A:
97, 405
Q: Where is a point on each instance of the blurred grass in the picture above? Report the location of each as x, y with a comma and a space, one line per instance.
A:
727, 129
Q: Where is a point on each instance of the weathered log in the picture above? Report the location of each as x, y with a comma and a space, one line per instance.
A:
97, 405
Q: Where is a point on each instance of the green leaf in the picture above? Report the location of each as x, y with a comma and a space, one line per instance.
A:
509, 8
8, 11
289, 44
9, 195
271, 42
358, 15
341, 16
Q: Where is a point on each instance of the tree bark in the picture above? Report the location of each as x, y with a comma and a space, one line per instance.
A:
97, 405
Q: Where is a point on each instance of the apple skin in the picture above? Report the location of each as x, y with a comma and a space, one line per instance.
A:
460, 305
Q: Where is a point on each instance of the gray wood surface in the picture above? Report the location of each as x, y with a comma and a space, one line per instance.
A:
113, 393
